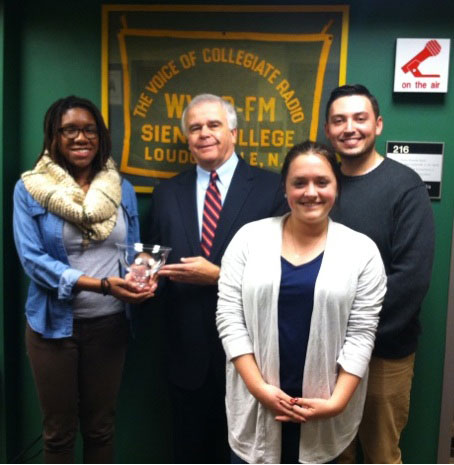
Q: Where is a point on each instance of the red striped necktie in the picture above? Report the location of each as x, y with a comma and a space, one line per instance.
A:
211, 211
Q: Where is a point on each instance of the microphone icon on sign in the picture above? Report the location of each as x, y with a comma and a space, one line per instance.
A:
431, 49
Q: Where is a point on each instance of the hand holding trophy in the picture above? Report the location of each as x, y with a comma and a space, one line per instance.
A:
142, 261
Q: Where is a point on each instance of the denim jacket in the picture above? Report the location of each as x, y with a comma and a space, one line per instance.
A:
38, 235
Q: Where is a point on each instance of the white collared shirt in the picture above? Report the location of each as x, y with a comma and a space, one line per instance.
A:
225, 175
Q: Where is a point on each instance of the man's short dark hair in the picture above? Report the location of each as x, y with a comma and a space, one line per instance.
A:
347, 91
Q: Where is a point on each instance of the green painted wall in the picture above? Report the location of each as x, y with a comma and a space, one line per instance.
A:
421, 118
2, 354
49, 49
10, 273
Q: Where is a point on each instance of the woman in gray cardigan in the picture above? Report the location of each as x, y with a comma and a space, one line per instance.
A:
299, 300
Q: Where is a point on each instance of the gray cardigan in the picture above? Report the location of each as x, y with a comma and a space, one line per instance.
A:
348, 295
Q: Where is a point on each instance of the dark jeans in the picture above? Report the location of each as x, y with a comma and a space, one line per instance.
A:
78, 379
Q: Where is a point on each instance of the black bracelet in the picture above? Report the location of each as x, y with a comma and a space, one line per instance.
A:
105, 286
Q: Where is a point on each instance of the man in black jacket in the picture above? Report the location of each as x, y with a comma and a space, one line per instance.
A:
196, 360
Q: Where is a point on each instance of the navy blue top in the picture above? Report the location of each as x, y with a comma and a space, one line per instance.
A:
296, 300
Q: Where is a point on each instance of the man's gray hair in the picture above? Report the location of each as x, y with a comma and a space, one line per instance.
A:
232, 119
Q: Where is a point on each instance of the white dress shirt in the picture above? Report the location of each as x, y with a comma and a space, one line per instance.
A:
225, 175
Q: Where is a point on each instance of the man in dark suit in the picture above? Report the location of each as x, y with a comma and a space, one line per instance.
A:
178, 218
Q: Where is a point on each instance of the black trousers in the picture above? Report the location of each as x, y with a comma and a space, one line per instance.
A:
78, 379
289, 448
200, 422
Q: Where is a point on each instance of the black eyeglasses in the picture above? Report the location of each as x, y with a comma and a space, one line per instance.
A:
72, 132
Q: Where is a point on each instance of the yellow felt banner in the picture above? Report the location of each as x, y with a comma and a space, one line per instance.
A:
276, 80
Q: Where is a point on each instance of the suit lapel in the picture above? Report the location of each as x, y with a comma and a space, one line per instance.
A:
237, 194
187, 201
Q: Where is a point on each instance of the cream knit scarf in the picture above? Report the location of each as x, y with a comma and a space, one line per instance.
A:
94, 212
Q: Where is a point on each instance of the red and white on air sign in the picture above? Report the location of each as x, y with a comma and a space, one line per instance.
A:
422, 65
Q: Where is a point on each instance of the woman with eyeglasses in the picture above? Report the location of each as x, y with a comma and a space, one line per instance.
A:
69, 212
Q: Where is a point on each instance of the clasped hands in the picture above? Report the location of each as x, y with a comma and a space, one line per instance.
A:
296, 409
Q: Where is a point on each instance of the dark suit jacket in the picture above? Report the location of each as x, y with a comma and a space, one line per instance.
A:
192, 336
